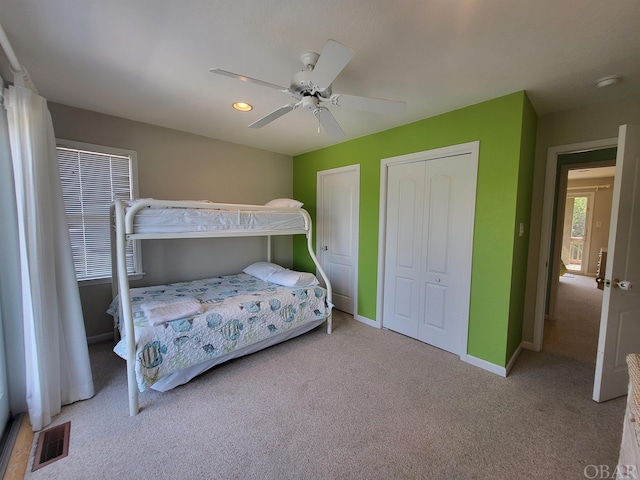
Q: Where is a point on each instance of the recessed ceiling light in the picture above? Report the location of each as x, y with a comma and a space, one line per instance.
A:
607, 81
243, 107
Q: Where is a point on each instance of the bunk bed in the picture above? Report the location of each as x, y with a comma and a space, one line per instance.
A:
171, 333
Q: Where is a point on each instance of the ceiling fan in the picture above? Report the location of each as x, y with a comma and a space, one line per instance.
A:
311, 88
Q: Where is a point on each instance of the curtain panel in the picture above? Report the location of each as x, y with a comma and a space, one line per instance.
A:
56, 355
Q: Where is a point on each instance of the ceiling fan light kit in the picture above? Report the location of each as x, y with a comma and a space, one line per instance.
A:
313, 86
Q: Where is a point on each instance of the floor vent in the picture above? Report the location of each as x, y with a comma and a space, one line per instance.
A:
53, 444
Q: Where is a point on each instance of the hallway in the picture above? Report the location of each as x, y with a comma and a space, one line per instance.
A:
574, 332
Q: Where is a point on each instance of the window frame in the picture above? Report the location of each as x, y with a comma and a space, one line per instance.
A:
133, 176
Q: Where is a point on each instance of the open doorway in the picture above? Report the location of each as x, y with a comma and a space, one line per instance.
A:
576, 232
582, 220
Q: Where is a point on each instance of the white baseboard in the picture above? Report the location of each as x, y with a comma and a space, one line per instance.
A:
478, 362
367, 321
513, 359
483, 364
492, 367
529, 346
100, 338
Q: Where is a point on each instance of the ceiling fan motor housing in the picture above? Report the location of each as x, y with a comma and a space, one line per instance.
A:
301, 86
309, 60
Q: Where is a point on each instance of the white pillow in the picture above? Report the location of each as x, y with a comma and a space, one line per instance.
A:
263, 270
284, 202
291, 278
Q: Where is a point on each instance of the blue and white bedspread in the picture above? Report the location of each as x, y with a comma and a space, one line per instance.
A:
237, 310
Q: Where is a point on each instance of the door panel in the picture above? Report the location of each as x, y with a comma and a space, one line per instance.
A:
339, 276
404, 287
338, 197
403, 247
448, 233
437, 225
620, 320
406, 213
435, 300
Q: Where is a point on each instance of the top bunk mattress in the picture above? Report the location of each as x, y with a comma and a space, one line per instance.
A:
175, 219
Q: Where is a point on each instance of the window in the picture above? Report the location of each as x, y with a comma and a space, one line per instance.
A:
92, 178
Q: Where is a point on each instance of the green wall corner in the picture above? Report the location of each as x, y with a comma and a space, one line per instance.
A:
505, 128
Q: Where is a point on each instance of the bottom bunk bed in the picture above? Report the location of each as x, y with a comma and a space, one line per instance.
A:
183, 329
171, 333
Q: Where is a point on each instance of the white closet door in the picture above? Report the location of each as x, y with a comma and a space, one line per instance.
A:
403, 248
429, 237
447, 237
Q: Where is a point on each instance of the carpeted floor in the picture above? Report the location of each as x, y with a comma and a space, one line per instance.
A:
574, 331
361, 403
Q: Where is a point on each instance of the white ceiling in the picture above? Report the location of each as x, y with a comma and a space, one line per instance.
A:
149, 60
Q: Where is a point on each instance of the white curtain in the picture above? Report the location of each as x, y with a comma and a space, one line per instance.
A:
10, 296
57, 365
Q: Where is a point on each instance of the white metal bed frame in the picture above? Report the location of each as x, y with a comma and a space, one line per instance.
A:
123, 232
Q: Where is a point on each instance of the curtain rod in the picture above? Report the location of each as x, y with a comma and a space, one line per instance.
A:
16, 68
584, 187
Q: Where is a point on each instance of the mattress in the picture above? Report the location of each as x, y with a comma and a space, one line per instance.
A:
186, 220
237, 312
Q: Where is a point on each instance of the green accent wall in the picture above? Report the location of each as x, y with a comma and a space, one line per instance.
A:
506, 129
523, 215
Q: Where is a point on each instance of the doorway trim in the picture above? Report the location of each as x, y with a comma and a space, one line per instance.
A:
546, 225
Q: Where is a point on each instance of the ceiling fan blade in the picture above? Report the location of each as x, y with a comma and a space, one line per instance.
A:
273, 116
244, 78
368, 104
333, 59
328, 122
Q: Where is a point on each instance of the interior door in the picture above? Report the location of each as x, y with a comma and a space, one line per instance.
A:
429, 237
620, 321
338, 199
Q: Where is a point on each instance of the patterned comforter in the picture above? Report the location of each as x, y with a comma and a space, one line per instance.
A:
237, 311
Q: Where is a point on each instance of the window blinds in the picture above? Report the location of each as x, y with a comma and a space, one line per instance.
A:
91, 181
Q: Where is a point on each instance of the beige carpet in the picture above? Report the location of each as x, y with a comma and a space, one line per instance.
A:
574, 332
361, 403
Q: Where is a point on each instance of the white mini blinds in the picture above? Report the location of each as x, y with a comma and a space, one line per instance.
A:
91, 180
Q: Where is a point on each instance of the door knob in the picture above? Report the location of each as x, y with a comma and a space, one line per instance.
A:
624, 284
325, 248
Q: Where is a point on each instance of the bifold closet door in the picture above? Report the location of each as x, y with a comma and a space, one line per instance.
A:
403, 248
429, 237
